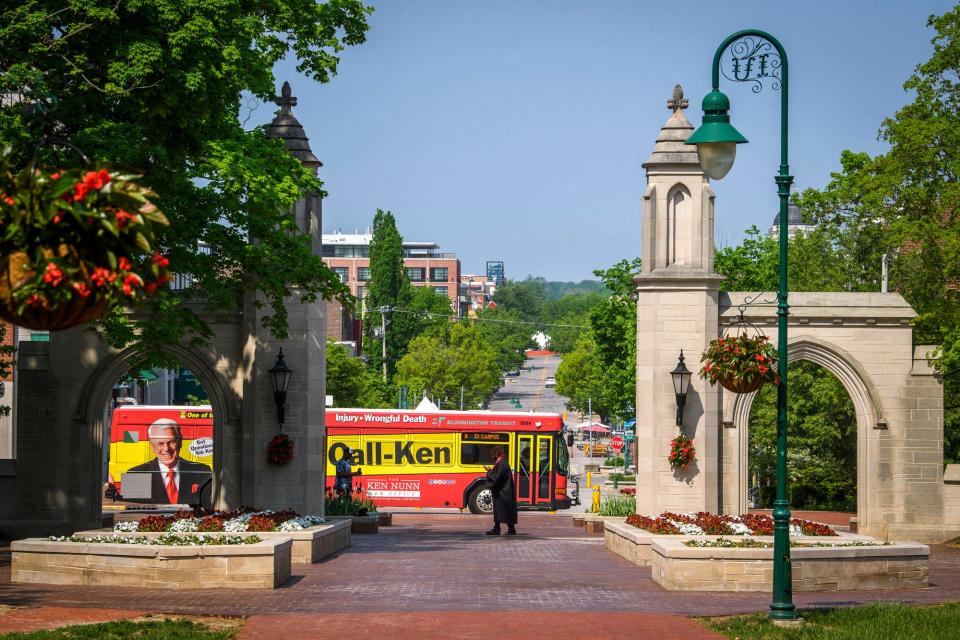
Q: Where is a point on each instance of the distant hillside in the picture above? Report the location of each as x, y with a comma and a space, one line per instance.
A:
557, 290
554, 290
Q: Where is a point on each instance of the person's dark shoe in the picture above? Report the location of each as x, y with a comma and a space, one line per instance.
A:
511, 532
493, 532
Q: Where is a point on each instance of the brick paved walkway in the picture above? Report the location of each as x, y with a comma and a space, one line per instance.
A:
40, 618
444, 563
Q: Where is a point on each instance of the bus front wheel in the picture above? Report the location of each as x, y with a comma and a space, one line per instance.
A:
481, 501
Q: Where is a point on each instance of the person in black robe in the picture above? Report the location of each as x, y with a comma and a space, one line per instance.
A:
500, 481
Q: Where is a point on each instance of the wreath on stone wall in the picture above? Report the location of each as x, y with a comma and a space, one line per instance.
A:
682, 452
280, 449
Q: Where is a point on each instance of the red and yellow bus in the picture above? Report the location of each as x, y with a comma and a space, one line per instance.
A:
436, 459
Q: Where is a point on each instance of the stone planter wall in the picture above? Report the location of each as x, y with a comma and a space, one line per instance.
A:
264, 565
310, 545
677, 567
595, 523
635, 544
360, 524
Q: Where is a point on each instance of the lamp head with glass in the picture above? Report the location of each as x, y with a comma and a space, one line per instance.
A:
716, 139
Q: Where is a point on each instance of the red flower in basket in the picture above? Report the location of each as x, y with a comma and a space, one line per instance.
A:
741, 364
280, 449
682, 452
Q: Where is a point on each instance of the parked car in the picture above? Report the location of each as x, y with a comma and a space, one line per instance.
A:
550, 382
512, 373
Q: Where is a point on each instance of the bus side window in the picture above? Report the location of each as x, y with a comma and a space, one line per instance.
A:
479, 453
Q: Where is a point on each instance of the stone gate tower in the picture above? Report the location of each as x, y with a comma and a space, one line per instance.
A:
677, 308
64, 394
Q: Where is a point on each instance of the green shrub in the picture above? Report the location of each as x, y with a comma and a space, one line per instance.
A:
622, 477
613, 462
622, 506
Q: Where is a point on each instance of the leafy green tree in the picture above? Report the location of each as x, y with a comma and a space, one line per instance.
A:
602, 366
566, 331
388, 282
158, 86
442, 363
507, 333
353, 384
419, 310
749, 266
905, 203
525, 298
580, 378
822, 457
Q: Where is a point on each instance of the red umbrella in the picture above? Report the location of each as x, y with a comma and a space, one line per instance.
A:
595, 428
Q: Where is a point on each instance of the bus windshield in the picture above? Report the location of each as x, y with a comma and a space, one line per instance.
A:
563, 459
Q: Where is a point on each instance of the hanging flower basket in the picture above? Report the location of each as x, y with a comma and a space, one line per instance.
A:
74, 243
280, 449
682, 452
741, 364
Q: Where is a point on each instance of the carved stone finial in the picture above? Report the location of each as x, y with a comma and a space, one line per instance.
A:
285, 100
677, 102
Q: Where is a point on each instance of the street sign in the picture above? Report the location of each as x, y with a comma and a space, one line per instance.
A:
617, 443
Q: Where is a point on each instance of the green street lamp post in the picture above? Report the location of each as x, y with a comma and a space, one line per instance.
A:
756, 56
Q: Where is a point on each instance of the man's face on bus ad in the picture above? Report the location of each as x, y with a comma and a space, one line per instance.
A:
166, 446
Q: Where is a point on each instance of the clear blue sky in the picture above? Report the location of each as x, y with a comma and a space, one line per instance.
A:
515, 131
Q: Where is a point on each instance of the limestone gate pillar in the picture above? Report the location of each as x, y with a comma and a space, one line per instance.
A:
677, 309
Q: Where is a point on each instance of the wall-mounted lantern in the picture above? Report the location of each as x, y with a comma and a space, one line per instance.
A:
280, 380
681, 383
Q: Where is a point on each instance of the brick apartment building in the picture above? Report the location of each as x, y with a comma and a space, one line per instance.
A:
349, 256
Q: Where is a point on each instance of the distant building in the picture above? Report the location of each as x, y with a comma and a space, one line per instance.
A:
795, 223
348, 255
495, 272
476, 291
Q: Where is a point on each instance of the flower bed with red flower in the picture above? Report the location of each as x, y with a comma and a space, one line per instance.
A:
242, 519
705, 523
682, 452
75, 239
740, 363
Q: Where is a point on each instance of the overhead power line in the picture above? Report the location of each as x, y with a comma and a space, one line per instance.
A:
453, 317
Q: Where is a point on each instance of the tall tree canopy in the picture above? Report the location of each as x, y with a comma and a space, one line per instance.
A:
601, 368
157, 85
442, 362
353, 384
906, 203
388, 280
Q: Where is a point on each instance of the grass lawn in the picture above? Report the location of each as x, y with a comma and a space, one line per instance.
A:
139, 628
870, 622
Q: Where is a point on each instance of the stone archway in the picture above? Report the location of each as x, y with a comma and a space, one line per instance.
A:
225, 404
865, 402
865, 339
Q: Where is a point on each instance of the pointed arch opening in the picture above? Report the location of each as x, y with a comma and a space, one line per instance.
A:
678, 225
94, 410
866, 409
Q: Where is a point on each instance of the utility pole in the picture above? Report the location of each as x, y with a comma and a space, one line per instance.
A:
590, 425
383, 338
461, 397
